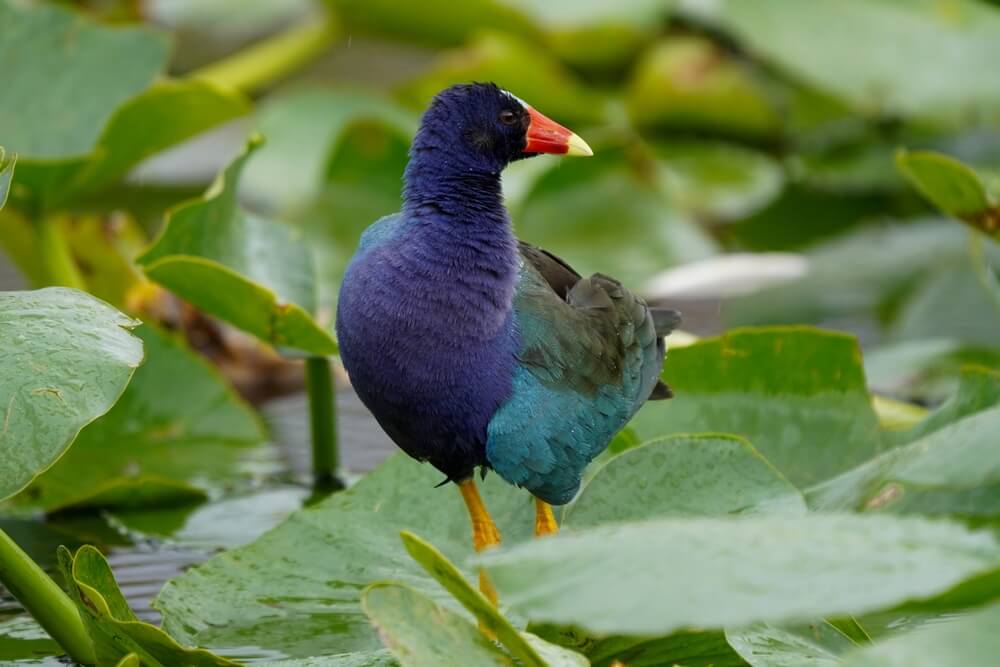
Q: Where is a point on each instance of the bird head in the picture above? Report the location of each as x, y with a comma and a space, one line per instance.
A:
484, 125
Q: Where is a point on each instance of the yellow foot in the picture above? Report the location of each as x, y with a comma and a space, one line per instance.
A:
484, 536
545, 520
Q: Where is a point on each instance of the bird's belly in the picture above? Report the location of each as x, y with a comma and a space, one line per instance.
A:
431, 389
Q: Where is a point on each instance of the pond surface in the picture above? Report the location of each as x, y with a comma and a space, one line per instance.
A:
146, 548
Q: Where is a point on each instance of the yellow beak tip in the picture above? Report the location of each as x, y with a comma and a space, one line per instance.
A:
577, 146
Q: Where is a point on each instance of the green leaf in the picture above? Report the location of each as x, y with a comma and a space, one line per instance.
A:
798, 394
731, 572
717, 181
6, 174
815, 645
703, 475
926, 370
978, 390
420, 632
950, 302
253, 273
690, 83
131, 660
952, 470
568, 208
113, 627
953, 187
157, 445
296, 589
595, 35
305, 129
433, 22
853, 273
518, 66
66, 359
838, 46
449, 576
970, 641
165, 114
65, 75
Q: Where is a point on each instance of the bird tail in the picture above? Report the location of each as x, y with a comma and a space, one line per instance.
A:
665, 321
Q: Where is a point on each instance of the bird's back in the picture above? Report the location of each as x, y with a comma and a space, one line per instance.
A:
589, 355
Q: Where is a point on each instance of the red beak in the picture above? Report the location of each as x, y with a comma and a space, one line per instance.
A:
547, 136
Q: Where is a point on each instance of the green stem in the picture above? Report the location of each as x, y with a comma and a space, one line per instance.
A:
45, 601
57, 258
322, 419
274, 58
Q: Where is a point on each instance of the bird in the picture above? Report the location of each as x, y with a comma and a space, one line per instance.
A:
476, 351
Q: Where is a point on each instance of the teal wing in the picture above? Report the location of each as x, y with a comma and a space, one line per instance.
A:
590, 355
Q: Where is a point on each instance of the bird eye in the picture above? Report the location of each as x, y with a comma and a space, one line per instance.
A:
508, 117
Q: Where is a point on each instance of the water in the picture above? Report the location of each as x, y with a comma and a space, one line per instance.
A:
146, 548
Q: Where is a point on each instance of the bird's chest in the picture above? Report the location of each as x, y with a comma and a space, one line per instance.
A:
420, 344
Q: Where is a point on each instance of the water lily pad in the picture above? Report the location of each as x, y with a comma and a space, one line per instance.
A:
66, 359
305, 129
305, 601
798, 394
88, 71
707, 475
953, 187
420, 632
114, 629
952, 470
691, 83
520, 67
736, 571
158, 445
567, 210
251, 272
815, 645
970, 641
838, 47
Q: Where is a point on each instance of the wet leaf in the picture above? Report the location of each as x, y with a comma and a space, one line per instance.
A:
111, 624
797, 393
158, 445
706, 475
304, 601
66, 357
953, 187
735, 571
952, 470
815, 645
970, 640
420, 632
251, 272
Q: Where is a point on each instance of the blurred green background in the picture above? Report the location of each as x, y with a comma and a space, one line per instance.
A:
744, 168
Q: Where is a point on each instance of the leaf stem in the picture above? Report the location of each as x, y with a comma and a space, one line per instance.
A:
44, 600
323, 421
57, 259
273, 58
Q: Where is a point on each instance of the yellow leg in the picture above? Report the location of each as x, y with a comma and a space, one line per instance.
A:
545, 520
484, 532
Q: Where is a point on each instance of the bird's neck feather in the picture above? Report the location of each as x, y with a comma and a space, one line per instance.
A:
459, 237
